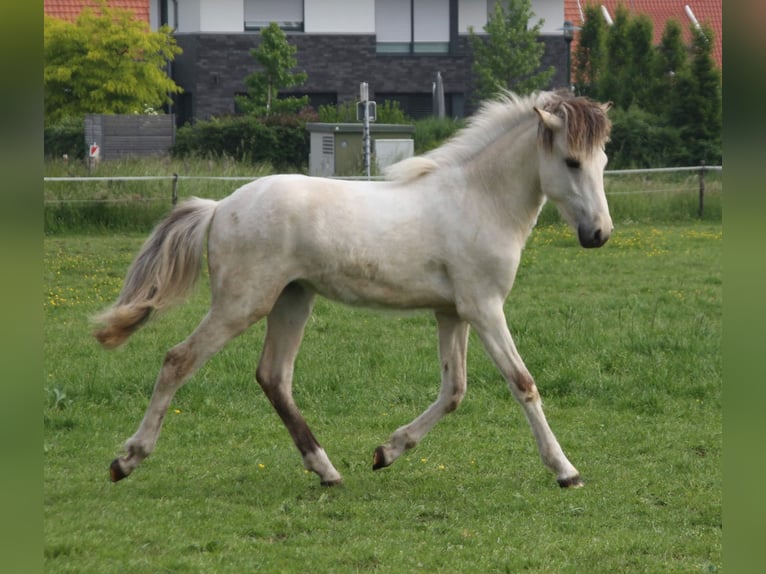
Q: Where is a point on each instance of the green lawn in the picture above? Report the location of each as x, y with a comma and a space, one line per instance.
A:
624, 343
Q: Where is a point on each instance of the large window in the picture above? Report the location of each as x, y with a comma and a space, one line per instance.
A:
412, 26
288, 14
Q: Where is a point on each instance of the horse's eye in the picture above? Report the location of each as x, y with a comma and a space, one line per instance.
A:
572, 162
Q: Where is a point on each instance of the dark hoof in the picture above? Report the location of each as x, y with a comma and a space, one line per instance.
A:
115, 471
338, 482
572, 482
379, 459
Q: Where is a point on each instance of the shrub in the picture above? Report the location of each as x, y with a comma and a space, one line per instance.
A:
430, 133
641, 140
388, 112
67, 136
281, 140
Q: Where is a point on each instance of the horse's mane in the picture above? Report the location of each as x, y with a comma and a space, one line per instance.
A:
586, 123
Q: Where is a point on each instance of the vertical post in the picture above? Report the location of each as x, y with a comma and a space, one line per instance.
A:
174, 198
364, 96
569, 29
702, 189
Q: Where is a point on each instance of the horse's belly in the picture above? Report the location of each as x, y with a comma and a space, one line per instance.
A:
369, 286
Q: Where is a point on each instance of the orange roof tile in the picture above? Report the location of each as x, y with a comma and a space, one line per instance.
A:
70, 9
706, 11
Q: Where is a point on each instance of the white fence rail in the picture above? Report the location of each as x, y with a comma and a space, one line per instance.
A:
175, 178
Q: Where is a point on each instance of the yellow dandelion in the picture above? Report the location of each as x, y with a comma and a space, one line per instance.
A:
177, 411
261, 465
424, 460
440, 467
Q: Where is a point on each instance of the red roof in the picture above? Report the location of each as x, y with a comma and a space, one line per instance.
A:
70, 9
706, 11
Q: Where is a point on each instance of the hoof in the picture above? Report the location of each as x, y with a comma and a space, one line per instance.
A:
115, 471
336, 482
379, 459
571, 482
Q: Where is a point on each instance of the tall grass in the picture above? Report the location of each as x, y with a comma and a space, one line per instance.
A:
137, 205
624, 343
133, 205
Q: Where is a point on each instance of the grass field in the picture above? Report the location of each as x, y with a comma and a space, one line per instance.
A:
624, 343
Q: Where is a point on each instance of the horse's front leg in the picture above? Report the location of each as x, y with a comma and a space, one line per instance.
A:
489, 322
453, 342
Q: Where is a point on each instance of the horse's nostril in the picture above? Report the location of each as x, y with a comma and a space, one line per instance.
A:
591, 238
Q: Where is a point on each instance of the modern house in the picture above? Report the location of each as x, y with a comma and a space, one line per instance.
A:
397, 46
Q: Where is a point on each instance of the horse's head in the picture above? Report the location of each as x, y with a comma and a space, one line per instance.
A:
572, 133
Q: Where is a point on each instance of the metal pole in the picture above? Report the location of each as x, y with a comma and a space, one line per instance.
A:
364, 95
702, 189
367, 139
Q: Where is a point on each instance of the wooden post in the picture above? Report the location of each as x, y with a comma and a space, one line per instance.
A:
175, 189
702, 189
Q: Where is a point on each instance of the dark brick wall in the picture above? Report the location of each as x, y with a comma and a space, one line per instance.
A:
212, 69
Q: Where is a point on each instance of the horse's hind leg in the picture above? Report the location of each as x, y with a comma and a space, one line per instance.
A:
284, 332
181, 362
453, 342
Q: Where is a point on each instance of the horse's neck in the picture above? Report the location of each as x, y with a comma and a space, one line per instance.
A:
507, 174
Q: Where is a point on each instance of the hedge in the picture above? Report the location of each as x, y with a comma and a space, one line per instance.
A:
66, 136
281, 141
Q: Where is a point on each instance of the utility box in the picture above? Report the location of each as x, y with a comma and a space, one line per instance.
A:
337, 149
389, 151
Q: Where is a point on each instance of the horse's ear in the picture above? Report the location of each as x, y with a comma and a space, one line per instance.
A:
550, 120
607, 106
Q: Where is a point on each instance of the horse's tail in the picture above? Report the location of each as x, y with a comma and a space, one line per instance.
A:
163, 272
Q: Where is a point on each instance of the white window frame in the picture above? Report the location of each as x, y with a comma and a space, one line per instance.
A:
412, 26
288, 14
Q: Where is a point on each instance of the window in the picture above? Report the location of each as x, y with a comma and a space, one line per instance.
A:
412, 26
288, 14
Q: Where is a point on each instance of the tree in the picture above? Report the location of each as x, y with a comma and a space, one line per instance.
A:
618, 49
671, 62
697, 111
590, 54
639, 79
667, 97
509, 56
277, 58
105, 62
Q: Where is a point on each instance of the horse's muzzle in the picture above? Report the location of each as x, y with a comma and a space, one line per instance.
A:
590, 237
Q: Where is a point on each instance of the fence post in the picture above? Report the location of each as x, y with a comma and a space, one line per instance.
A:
175, 189
702, 189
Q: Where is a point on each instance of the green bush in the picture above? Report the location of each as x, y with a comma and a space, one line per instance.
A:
388, 112
641, 139
67, 136
280, 140
430, 133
